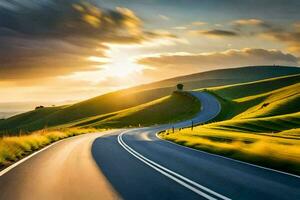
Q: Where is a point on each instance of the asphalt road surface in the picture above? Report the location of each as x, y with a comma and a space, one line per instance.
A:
135, 164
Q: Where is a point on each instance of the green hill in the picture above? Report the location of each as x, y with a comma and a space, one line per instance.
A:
132, 97
259, 123
173, 108
259, 98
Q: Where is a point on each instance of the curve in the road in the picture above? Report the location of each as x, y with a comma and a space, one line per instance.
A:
136, 164
143, 166
210, 108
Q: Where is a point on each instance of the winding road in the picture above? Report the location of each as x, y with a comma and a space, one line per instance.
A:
136, 164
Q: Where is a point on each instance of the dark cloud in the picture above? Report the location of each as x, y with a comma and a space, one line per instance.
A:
68, 19
241, 27
216, 32
49, 38
184, 63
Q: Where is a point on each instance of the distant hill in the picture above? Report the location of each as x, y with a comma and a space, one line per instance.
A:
4, 115
123, 99
225, 77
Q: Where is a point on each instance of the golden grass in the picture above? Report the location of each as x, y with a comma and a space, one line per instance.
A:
266, 149
13, 148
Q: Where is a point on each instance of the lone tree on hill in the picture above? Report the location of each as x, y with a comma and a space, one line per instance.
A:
39, 107
179, 87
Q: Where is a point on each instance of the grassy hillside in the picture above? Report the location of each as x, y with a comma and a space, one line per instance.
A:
259, 123
263, 98
124, 99
172, 108
175, 107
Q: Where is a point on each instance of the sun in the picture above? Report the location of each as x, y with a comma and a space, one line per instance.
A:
118, 63
121, 63
123, 69
120, 71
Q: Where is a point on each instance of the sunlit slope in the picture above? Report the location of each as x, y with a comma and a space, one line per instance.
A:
267, 106
264, 98
34, 119
274, 124
176, 107
127, 98
173, 108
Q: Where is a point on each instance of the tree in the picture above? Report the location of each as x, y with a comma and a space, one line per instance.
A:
39, 107
179, 86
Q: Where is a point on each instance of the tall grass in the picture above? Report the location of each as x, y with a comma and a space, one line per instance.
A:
13, 148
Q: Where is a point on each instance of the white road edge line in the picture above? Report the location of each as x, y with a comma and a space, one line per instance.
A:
4, 171
172, 175
231, 159
7, 169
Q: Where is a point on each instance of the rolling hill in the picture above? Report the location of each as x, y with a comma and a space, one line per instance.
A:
105, 105
259, 123
172, 108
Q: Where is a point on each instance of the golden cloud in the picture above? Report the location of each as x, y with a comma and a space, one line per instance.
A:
198, 23
248, 22
215, 33
290, 38
185, 63
60, 43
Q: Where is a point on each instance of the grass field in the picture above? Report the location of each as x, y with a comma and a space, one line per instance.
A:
172, 108
176, 107
279, 152
259, 123
107, 104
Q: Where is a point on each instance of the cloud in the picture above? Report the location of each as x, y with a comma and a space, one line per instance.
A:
215, 33
50, 38
240, 27
290, 38
289, 35
164, 17
296, 25
247, 22
180, 28
198, 23
185, 63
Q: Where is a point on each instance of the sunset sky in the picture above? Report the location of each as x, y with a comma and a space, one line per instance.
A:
59, 51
